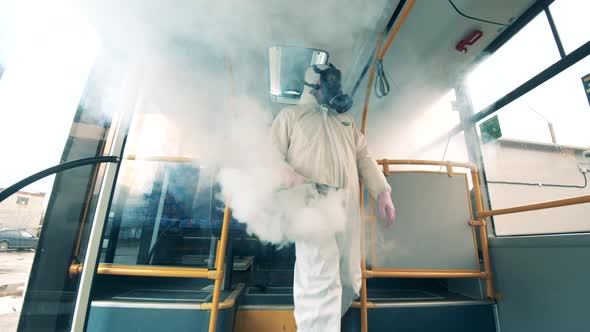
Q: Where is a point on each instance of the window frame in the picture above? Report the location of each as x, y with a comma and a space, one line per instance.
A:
470, 117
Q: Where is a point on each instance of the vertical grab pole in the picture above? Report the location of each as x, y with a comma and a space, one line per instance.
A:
483, 234
395, 29
373, 230
219, 262
364, 320
222, 244
371, 78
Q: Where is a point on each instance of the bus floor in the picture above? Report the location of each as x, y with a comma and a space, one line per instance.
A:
265, 303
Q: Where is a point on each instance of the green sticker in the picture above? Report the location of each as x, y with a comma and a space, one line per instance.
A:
490, 130
346, 123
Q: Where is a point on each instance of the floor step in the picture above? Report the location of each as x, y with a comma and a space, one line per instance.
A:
416, 316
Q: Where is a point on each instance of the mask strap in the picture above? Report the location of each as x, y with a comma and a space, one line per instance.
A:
313, 86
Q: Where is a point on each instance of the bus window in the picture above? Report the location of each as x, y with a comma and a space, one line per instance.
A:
567, 15
523, 56
163, 214
541, 155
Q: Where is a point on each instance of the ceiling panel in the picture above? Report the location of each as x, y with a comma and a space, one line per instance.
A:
423, 64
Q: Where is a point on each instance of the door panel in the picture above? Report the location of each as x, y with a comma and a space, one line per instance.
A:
52, 292
544, 280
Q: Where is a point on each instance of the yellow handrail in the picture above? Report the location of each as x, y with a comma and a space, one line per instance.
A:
538, 206
229, 302
168, 159
380, 53
483, 233
219, 268
417, 162
363, 292
395, 29
390, 273
148, 271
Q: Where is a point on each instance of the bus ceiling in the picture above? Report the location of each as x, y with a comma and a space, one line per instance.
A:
438, 42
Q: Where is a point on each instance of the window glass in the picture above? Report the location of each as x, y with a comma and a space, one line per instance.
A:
526, 54
417, 132
16, 252
570, 17
46, 55
531, 164
37, 108
164, 213
557, 111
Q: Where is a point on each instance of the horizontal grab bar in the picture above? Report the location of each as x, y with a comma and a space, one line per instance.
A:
382, 273
538, 206
150, 271
169, 159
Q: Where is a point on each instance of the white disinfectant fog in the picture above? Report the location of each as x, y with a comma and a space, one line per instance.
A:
199, 72
231, 134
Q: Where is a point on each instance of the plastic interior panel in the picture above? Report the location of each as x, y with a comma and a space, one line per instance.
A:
432, 229
165, 295
464, 318
114, 319
402, 295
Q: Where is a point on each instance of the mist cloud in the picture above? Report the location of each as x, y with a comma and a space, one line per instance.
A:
179, 52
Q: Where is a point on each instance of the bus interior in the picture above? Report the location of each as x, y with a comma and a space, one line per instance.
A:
476, 111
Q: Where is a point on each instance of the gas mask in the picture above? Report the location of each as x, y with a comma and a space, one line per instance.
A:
330, 86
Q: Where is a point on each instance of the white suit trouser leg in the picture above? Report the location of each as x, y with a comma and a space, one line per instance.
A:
327, 279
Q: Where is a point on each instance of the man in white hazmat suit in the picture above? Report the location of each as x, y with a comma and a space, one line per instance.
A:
322, 145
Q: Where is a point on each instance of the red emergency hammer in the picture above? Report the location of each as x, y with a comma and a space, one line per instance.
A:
470, 40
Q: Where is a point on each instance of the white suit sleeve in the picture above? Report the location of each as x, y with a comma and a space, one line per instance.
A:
370, 173
281, 132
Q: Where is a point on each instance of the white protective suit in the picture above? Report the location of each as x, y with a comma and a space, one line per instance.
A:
326, 147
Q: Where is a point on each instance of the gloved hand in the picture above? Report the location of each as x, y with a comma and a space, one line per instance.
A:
291, 179
386, 208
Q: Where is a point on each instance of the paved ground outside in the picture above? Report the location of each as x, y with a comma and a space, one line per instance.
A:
14, 273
